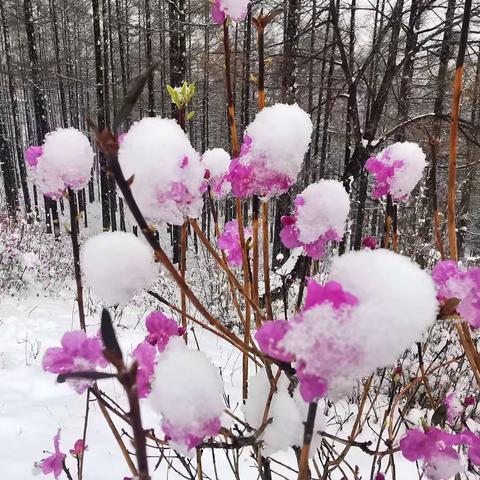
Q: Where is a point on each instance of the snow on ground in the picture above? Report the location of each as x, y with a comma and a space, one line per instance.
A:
33, 406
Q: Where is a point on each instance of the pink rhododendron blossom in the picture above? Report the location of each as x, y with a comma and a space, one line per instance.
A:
332, 293
397, 170
268, 337
78, 448
144, 354
32, 153
191, 437
469, 401
64, 161
235, 9
168, 176
160, 329
452, 282
229, 241
454, 407
187, 393
272, 152
54, 463
436, 448
217, 163
369, 242
379, 476
78, 353
321, 211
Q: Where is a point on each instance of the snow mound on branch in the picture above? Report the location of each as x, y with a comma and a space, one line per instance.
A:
168, 176
272, 152
235, 9
117, 265
396, 304
217, 162
287, 413
187, 392
65, 160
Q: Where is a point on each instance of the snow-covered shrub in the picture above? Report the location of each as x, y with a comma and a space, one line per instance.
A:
272, 152
187, 392
397, 170
64, 161
117, 265
168, 177
321, 212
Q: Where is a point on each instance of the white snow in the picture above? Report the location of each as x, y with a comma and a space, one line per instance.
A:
217, 162
159, 155
117, 265
281, 133
236, 9
66, 161
326, 208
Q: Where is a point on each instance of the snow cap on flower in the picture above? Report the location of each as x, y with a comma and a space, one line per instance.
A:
78, 353
168, 177
235, 9
187, 392
376, 305
321, 213
63, 161
54, 463
117, 265
229, 241
288, 414
160, 329
217, 162
397, 170
144, 354
272, 152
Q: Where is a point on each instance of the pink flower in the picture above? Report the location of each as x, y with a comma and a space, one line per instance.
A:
369, 242
144, 354
435, 448
32, 154
54, 463
121, 137
191, 437
268, 337
452, 282
379, 476
469, 401
217, 14
332, 293
454, 407
160, 329
78, 448
383, 172
320, 357
229, 240
78, 353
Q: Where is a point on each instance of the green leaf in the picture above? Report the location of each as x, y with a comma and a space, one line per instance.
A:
190, 115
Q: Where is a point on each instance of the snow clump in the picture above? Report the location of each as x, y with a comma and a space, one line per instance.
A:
217, 162
117, 265
235, 9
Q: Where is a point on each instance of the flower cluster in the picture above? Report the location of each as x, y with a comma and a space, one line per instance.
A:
160, 329
64, 161
397, 170
144, 354
54, 463
235, 9
272, 152
435, 448
78, 353
168, 177
217, 162
357, 322
187, 392
229, 241
321, 212
452, 282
